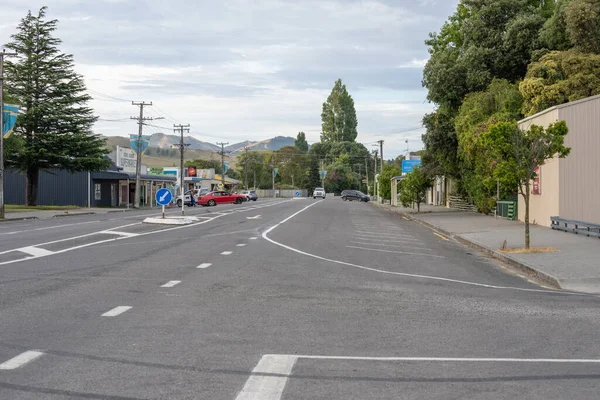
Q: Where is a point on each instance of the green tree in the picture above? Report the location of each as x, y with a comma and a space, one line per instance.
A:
57, 123
519, 153
553, 34
314, 179
413, 189
292, 164
338, 117
384, 180
300, 143
560, 77
582, 19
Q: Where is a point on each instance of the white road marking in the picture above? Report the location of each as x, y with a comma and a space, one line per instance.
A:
226, 253
116, 311
268, 378
126, 234
393, 245
20, 360
48, 227
240, 245
35, 251
204, 265
255, 217
454, 359
381, 271
269, 204
171, 283
397, 252
385, 234
253, 238
382, 239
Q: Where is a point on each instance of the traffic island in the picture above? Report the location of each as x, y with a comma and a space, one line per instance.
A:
172, 220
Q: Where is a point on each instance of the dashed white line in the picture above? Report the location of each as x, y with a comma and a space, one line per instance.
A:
204, 265
116, 311
240, 245
253, 238
226, 253
20, 360
171, 283
268, 378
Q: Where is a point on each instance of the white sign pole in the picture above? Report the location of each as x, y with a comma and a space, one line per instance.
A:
182, 201
163, 209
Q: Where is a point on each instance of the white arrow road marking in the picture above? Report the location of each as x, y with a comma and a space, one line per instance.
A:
255, 217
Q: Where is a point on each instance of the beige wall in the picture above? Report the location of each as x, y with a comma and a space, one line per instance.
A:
545, 205
580, 171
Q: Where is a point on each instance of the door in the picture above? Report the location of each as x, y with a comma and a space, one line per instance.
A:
114, 195
226, 197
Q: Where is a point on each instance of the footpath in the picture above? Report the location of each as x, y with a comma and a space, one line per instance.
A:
574, 266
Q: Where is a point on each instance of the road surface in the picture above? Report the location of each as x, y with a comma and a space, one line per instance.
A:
279, 299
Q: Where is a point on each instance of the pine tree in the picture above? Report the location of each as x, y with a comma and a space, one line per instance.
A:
339, 116
300, 143
56, 125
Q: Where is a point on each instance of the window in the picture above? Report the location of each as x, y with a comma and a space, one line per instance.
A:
97, 191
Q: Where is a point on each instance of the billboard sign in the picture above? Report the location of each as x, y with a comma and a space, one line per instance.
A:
145, 142
409, 165
10, 119
192, 172
205, 173
126, 159
157, 171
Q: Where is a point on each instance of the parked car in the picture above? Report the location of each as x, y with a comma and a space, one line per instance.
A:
351, 195
214, 198
250, 195
187, 196
319, 192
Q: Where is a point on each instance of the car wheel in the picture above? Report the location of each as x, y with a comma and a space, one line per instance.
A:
253, 199
344, 198
212, 203
238, 201
314, 197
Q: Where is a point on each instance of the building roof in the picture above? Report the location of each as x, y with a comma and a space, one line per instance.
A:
146, 177
560, 106
227, 179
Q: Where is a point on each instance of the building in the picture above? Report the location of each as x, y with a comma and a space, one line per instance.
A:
568, 187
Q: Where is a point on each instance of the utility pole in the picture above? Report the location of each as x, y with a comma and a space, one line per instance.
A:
222, 144
273, 176
367, 174
375, 174
293, 180
181, 128
246, 167
138, 163
381, 153
254, 163
2, 55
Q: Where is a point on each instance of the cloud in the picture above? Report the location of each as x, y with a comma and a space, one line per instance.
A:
248, 69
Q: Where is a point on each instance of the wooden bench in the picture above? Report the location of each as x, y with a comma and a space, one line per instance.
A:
576, 227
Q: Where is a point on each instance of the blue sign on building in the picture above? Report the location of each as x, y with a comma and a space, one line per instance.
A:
163, 197
408, 165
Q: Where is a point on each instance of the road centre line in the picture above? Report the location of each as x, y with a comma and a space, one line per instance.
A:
268, 378
226, 253
204, 265
417, 276
253, 238
171, 284
20, 360
116, 311
240, 245
107, 240
397, 252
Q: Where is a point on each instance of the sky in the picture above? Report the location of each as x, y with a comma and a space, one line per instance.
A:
240, 70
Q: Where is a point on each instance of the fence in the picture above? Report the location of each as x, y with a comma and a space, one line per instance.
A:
461, 204
507, 209
285, 193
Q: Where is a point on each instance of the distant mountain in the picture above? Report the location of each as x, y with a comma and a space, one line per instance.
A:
163, 141
269, 144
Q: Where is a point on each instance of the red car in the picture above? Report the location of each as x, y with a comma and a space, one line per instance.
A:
214, 198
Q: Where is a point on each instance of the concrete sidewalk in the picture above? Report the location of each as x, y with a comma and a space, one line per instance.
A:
575, 266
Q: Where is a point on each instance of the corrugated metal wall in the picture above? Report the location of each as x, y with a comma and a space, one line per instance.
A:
580, 172
55, 187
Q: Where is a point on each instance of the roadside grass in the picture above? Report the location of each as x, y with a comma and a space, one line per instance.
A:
21, 208
530, 250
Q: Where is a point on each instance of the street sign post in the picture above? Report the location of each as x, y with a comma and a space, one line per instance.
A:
297, 194
163, 198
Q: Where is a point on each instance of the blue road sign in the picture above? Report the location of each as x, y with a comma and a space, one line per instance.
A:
276, 170
297, 194
163, 197
145, 142
408, 165
323, 174
226, 166
10, 119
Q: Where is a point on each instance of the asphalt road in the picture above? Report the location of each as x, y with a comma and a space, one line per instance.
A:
279, 299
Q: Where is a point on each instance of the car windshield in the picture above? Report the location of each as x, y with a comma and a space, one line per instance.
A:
134, 266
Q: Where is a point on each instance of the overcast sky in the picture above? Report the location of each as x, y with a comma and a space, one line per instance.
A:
249, 70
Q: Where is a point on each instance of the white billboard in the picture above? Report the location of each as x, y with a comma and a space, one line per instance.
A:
126, 159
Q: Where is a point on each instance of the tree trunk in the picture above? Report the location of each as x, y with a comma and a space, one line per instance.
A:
418, 207
527, 238
31, 182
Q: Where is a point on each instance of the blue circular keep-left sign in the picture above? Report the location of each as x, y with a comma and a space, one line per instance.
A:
163, 197
297, 194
